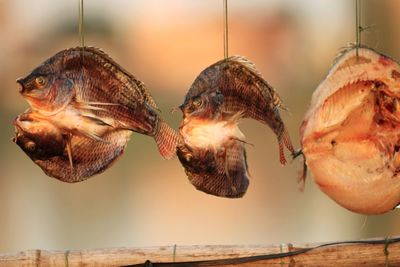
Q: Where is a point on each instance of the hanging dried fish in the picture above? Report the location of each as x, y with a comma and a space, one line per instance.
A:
86, 95
350, 134
212, 149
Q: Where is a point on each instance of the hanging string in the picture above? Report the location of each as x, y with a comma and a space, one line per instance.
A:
81, 33
225, 4
358, 25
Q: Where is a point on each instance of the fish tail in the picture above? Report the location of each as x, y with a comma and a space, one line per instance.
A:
282, 158
287, 141
284, 141
166, 139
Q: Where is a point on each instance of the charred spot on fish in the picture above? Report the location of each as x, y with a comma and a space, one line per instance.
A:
396, 148
333, 143
385, 61
379, 120
395, 74
390, 107
378, 84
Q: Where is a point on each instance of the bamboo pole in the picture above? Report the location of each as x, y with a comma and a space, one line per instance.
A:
373, 252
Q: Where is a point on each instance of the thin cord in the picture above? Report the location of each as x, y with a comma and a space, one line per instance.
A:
225, 2
81, 33
358, 25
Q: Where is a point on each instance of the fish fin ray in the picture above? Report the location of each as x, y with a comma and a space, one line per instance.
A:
236, 168
69, 152
266, 87
166, 139
97, 120
93, 105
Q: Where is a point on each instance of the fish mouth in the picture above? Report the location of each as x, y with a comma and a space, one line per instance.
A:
20, 83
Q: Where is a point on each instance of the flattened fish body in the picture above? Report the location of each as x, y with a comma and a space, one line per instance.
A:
244, 90
93, 86
350, 134
94, 104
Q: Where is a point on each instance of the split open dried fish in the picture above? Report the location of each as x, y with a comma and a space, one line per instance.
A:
212, 148
350, 134
88, 96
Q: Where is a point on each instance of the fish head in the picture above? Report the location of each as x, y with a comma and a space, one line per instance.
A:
206, 105
47, 87
39, 139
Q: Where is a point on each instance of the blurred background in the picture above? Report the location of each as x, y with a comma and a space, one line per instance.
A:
144, 200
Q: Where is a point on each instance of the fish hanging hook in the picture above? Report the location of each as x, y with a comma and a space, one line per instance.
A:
359, 28
80, 29
225, 9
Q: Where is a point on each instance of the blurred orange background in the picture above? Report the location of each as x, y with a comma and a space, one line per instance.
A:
144, 200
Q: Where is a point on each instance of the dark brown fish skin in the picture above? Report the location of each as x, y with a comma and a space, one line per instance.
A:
220, 171
47, 147
222, 174
244, 90
91, 82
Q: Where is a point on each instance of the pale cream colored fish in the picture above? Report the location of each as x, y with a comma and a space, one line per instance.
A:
351, 132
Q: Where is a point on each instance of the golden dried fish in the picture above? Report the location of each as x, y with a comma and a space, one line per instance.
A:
86, 95
47, 147
350, 134
212, 148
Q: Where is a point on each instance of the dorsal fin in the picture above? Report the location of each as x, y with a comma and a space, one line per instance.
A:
277, 101
109, 63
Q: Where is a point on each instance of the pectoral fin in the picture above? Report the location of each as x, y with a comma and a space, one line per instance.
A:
93, 105
69, 152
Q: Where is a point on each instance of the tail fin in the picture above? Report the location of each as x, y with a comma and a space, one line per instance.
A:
166, 139
284, 139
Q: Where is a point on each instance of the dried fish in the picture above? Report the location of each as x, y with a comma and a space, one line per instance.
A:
350, 134
212, 146
92, 100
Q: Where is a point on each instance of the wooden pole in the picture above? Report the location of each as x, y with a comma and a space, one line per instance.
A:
374, 252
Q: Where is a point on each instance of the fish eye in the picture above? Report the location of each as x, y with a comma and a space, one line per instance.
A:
197, 102
41, 81
30, 145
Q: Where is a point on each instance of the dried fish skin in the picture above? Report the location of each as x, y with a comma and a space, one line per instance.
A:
86, 84
244, 90
350, 134
90, 157
223, 173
